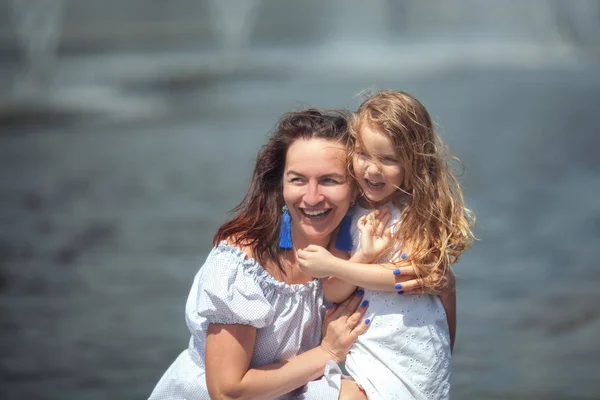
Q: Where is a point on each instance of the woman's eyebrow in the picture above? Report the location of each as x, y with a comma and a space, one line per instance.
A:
334, 175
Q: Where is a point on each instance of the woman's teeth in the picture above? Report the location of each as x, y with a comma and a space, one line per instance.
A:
315, 214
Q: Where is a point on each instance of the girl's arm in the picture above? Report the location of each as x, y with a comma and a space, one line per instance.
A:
335, 289
319, 263
343, 276
375, 237
229, 350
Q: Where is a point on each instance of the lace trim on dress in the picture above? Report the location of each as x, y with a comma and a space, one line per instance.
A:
251, 265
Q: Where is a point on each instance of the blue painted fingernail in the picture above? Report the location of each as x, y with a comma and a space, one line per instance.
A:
401, 292
360, 292
367, 321
397, 271
403, 256
397, 286
365, 303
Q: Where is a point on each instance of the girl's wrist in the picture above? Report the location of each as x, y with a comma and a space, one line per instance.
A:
361, 257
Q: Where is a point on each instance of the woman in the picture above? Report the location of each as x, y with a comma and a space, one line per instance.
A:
255, 317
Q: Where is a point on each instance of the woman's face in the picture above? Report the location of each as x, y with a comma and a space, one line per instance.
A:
316, 189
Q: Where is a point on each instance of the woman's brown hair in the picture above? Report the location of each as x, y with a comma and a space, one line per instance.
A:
258, 216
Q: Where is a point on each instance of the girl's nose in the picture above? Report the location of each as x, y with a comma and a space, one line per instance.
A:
372, 167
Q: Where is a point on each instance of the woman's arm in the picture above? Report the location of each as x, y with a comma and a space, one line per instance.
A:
229, 350
228, 353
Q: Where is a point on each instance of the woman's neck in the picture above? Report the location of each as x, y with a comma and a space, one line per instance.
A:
293, 274
300, 243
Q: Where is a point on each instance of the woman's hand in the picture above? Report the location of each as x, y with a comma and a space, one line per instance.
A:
316, 261
342, 325
375, 234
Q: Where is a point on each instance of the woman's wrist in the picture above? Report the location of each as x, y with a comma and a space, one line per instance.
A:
329, 354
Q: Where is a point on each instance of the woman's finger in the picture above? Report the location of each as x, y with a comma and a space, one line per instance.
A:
329, 313
348, 306
360, 328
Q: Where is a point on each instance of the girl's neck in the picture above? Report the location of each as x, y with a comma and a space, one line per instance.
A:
398, 199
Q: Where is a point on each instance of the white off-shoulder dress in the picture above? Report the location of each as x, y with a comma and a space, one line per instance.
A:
231, 288
405, 353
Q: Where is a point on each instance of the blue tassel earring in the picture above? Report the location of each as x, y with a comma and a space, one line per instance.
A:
285, 230
344, 237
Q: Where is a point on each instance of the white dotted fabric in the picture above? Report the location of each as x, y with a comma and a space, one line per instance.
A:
233, 289
405, 353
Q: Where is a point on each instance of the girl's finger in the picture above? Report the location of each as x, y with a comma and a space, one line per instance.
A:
387, 233
405, 271
412, 286
383, 223
312, 248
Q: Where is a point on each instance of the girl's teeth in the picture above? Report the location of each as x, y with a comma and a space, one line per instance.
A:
375, 185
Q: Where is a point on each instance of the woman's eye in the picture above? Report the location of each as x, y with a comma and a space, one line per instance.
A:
389, 159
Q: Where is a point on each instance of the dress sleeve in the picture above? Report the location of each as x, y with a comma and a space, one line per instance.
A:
326, 387
228, 291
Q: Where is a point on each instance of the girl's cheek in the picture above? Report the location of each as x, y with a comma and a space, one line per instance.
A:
358, 167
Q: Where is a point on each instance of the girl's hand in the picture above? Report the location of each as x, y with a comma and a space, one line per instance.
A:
375, 234
316, 261
407, 283
342, 325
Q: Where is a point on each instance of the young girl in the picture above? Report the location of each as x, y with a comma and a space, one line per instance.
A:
399, 164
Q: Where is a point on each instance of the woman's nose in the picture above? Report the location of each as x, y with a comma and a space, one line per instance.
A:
313, 195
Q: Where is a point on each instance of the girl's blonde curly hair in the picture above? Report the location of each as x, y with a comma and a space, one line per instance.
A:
436, 227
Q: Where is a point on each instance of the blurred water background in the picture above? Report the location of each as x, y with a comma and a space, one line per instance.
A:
128, 129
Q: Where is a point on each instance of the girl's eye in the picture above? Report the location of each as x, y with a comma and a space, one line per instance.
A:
389, 159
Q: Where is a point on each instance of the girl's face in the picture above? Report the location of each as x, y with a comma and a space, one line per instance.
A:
377, 167
316, 189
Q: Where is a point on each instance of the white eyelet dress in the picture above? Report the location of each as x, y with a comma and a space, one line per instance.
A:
231, 288
405, 353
